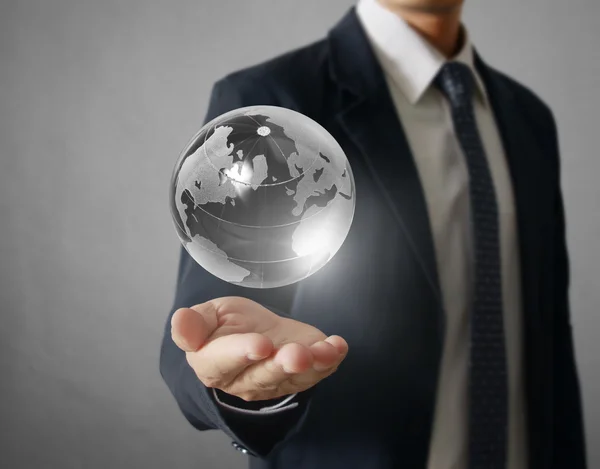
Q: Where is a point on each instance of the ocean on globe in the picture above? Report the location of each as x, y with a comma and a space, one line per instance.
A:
262, 197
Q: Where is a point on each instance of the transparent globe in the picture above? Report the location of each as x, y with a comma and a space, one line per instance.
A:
262, 197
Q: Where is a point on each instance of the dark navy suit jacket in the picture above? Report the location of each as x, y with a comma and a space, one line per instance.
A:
380, 292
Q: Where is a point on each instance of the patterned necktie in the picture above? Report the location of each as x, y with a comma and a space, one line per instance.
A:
488, 383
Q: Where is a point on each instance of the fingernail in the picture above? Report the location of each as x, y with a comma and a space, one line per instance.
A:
253, 357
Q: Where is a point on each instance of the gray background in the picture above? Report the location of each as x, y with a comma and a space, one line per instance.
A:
96, 100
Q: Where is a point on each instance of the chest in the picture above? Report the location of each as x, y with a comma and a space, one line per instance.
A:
410, 178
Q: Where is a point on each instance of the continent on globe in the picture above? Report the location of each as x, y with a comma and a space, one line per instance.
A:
262, 197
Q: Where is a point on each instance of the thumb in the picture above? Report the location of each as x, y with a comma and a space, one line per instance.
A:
191, 327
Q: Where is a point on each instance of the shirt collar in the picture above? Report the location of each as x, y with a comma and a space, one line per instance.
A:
410, 61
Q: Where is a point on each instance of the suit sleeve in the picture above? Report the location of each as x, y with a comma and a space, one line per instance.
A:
261, 426
569, 439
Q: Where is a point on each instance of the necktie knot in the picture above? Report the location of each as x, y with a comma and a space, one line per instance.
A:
455, 80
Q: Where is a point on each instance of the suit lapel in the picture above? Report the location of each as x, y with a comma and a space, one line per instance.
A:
525, 162
387, 155
368, 117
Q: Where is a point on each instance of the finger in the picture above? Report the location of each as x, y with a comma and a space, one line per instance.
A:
291, 359
220, 360
191, 327
339, 343
325, 356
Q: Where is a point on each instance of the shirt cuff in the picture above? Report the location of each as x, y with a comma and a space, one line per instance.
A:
285, 404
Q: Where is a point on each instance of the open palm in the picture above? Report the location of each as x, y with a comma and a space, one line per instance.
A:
240, 347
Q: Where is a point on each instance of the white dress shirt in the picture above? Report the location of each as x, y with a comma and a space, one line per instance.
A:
410, 65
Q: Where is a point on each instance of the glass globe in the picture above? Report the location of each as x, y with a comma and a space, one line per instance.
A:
262, 197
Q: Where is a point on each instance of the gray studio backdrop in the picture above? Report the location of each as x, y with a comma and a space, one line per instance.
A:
96, 100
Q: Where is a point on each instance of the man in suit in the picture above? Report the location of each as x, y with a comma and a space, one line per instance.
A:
439, 335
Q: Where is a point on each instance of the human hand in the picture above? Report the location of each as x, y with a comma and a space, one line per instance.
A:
240, 347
